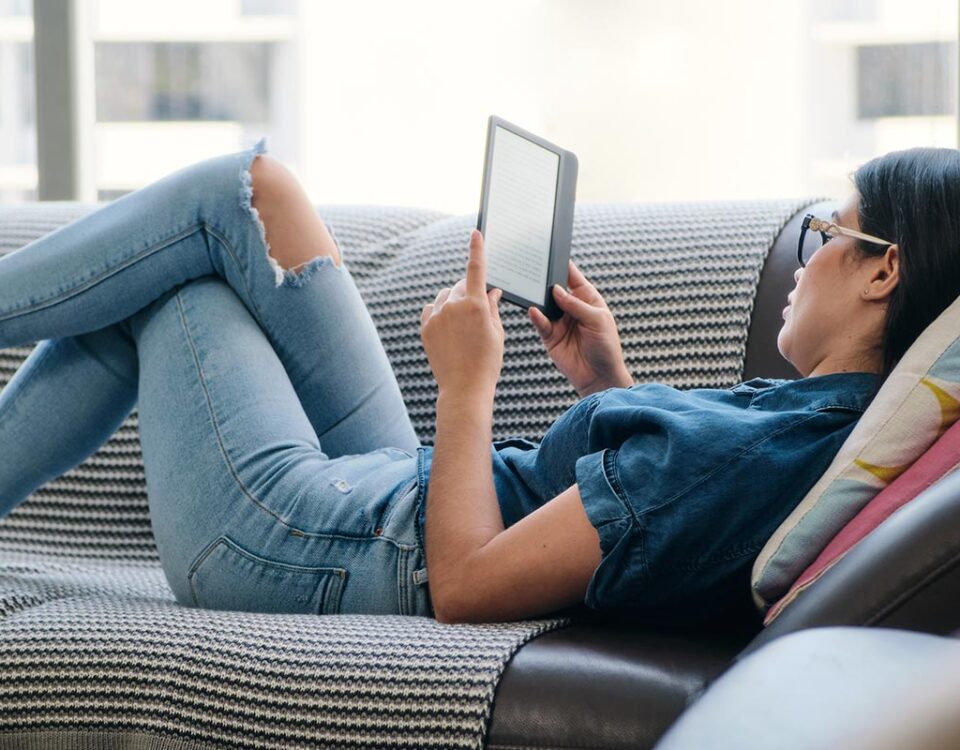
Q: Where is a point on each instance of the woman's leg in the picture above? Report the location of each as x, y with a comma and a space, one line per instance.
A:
199, 221
64, 401
248, 512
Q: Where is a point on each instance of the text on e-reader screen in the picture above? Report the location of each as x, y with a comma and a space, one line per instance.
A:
523, 186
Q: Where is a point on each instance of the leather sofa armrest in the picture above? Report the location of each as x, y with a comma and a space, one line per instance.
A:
905, 574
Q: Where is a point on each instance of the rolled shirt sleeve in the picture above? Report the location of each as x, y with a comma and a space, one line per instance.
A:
621, 543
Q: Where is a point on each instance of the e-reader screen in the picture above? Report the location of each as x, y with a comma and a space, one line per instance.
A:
520, 214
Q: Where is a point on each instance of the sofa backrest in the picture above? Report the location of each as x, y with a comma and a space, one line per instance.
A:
681, 279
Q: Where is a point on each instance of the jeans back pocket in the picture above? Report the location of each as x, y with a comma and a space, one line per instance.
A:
226, 576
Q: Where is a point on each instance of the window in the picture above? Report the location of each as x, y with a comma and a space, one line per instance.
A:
164, 81
267, 7
912, 79
18, 151
881, 76
380, 102
169, 93
176, 92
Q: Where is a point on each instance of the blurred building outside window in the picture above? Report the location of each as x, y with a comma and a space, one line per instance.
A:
18, 148
179, 81
378, 102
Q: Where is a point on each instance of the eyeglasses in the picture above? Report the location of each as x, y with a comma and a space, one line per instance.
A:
828, 230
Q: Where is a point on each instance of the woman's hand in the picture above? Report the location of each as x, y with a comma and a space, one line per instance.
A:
462, 333
584, 344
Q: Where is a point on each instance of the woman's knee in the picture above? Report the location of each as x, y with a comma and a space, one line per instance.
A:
295, 233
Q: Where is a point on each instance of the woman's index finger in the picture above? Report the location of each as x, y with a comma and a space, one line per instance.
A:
576, 277
476, 266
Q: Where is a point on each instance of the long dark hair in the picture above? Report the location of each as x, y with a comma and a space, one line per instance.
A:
912, 198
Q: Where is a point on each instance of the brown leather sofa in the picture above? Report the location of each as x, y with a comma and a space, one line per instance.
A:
613, 684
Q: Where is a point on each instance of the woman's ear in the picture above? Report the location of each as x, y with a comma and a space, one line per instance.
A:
885, 275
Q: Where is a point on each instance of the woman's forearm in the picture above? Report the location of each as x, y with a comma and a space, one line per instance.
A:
462, 512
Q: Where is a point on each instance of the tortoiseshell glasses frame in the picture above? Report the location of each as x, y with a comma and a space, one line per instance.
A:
828, 230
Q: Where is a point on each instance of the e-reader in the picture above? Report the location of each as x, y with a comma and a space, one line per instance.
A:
526, 215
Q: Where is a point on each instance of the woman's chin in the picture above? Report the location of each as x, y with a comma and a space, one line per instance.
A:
783, 341
783, 346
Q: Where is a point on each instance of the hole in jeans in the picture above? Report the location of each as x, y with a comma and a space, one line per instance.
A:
297, 275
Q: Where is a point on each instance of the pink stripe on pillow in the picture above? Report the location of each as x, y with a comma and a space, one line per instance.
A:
940, 459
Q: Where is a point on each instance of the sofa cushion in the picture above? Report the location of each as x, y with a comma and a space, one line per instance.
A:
918, 403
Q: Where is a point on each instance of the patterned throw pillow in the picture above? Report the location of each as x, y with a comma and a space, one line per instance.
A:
916, 405
930, 468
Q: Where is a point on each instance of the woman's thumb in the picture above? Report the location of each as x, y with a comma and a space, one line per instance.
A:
541, 322
493, 298
570, 303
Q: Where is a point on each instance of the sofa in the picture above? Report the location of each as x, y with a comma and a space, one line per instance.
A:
697, 290
736, 684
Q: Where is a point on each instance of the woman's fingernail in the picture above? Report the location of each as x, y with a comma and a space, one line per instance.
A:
560, 289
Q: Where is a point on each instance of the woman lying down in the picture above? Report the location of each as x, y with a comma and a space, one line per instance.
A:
283, 472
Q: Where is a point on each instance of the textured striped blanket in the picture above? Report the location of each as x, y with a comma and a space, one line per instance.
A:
95, 652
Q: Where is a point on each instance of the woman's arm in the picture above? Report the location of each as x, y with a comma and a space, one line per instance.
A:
479, 571
462, 509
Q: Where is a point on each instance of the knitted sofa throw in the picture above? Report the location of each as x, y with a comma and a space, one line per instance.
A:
95, 652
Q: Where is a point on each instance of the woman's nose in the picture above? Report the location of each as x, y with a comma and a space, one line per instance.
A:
796, 276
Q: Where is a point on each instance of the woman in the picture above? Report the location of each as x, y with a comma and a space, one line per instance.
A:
283, 473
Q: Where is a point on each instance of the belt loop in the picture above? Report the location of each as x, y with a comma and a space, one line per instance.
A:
420, 576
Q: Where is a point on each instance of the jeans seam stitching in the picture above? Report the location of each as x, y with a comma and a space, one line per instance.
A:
18, 394
421, 500
213, 418
402, 582
149, 250
198, 562
333, 600
215, 232
220, 445
395, 501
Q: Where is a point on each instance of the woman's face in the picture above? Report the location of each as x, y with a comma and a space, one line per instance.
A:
820, 326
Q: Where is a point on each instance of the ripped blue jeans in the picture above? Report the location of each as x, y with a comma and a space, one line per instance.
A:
279, 455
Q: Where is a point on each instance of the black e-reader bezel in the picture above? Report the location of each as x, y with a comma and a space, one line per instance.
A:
564, 200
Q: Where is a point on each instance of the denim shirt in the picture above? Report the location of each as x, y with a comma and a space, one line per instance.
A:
684, 487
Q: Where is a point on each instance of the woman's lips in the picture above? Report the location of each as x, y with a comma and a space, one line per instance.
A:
789, 302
